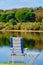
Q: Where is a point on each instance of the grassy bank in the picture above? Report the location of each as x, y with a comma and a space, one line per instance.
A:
22, 26
11, 64
14, 64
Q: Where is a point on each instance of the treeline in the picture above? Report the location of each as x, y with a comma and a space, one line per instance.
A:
19, 16
22, 15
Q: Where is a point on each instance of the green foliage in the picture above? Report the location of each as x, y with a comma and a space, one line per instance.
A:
30, 16
2, 25
24, 16
31, 26
41, 26
10, 16
3, 17
22, 19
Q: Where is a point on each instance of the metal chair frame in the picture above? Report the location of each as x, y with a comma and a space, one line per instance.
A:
12, 49
33, 56
16, 40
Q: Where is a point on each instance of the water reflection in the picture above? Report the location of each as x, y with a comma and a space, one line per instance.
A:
30, 39
4, 55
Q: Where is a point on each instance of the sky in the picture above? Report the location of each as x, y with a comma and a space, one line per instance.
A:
10, 4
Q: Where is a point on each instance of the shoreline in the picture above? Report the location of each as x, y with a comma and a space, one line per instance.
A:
13, 64
21, 30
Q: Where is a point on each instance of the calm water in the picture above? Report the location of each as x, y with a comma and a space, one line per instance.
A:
4, 55
30, 40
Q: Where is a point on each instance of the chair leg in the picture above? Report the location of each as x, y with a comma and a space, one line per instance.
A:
33, 59
12, 60
26, 58
9, 59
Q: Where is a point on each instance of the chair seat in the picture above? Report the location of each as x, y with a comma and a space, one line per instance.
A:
18, 54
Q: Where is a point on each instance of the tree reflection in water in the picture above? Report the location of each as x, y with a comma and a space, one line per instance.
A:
30, 39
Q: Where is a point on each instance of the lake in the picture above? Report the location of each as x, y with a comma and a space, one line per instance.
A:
5, 51
31, 41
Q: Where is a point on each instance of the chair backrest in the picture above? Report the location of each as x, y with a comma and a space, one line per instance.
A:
17, 44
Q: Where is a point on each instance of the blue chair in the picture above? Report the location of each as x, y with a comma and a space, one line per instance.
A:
16, 44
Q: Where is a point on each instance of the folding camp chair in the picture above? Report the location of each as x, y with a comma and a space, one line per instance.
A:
16, 44
33, 56
16, 49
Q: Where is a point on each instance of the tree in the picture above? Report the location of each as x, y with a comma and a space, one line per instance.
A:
24, 16
21, 16
3, 17
10, 16
13, 22
31, 16
40, 8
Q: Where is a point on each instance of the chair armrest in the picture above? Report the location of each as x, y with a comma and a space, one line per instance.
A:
11, 48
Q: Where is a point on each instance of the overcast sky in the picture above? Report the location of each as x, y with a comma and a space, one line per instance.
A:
10, 4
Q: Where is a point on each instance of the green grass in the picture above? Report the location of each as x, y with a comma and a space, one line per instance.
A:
14, 64
11, 64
